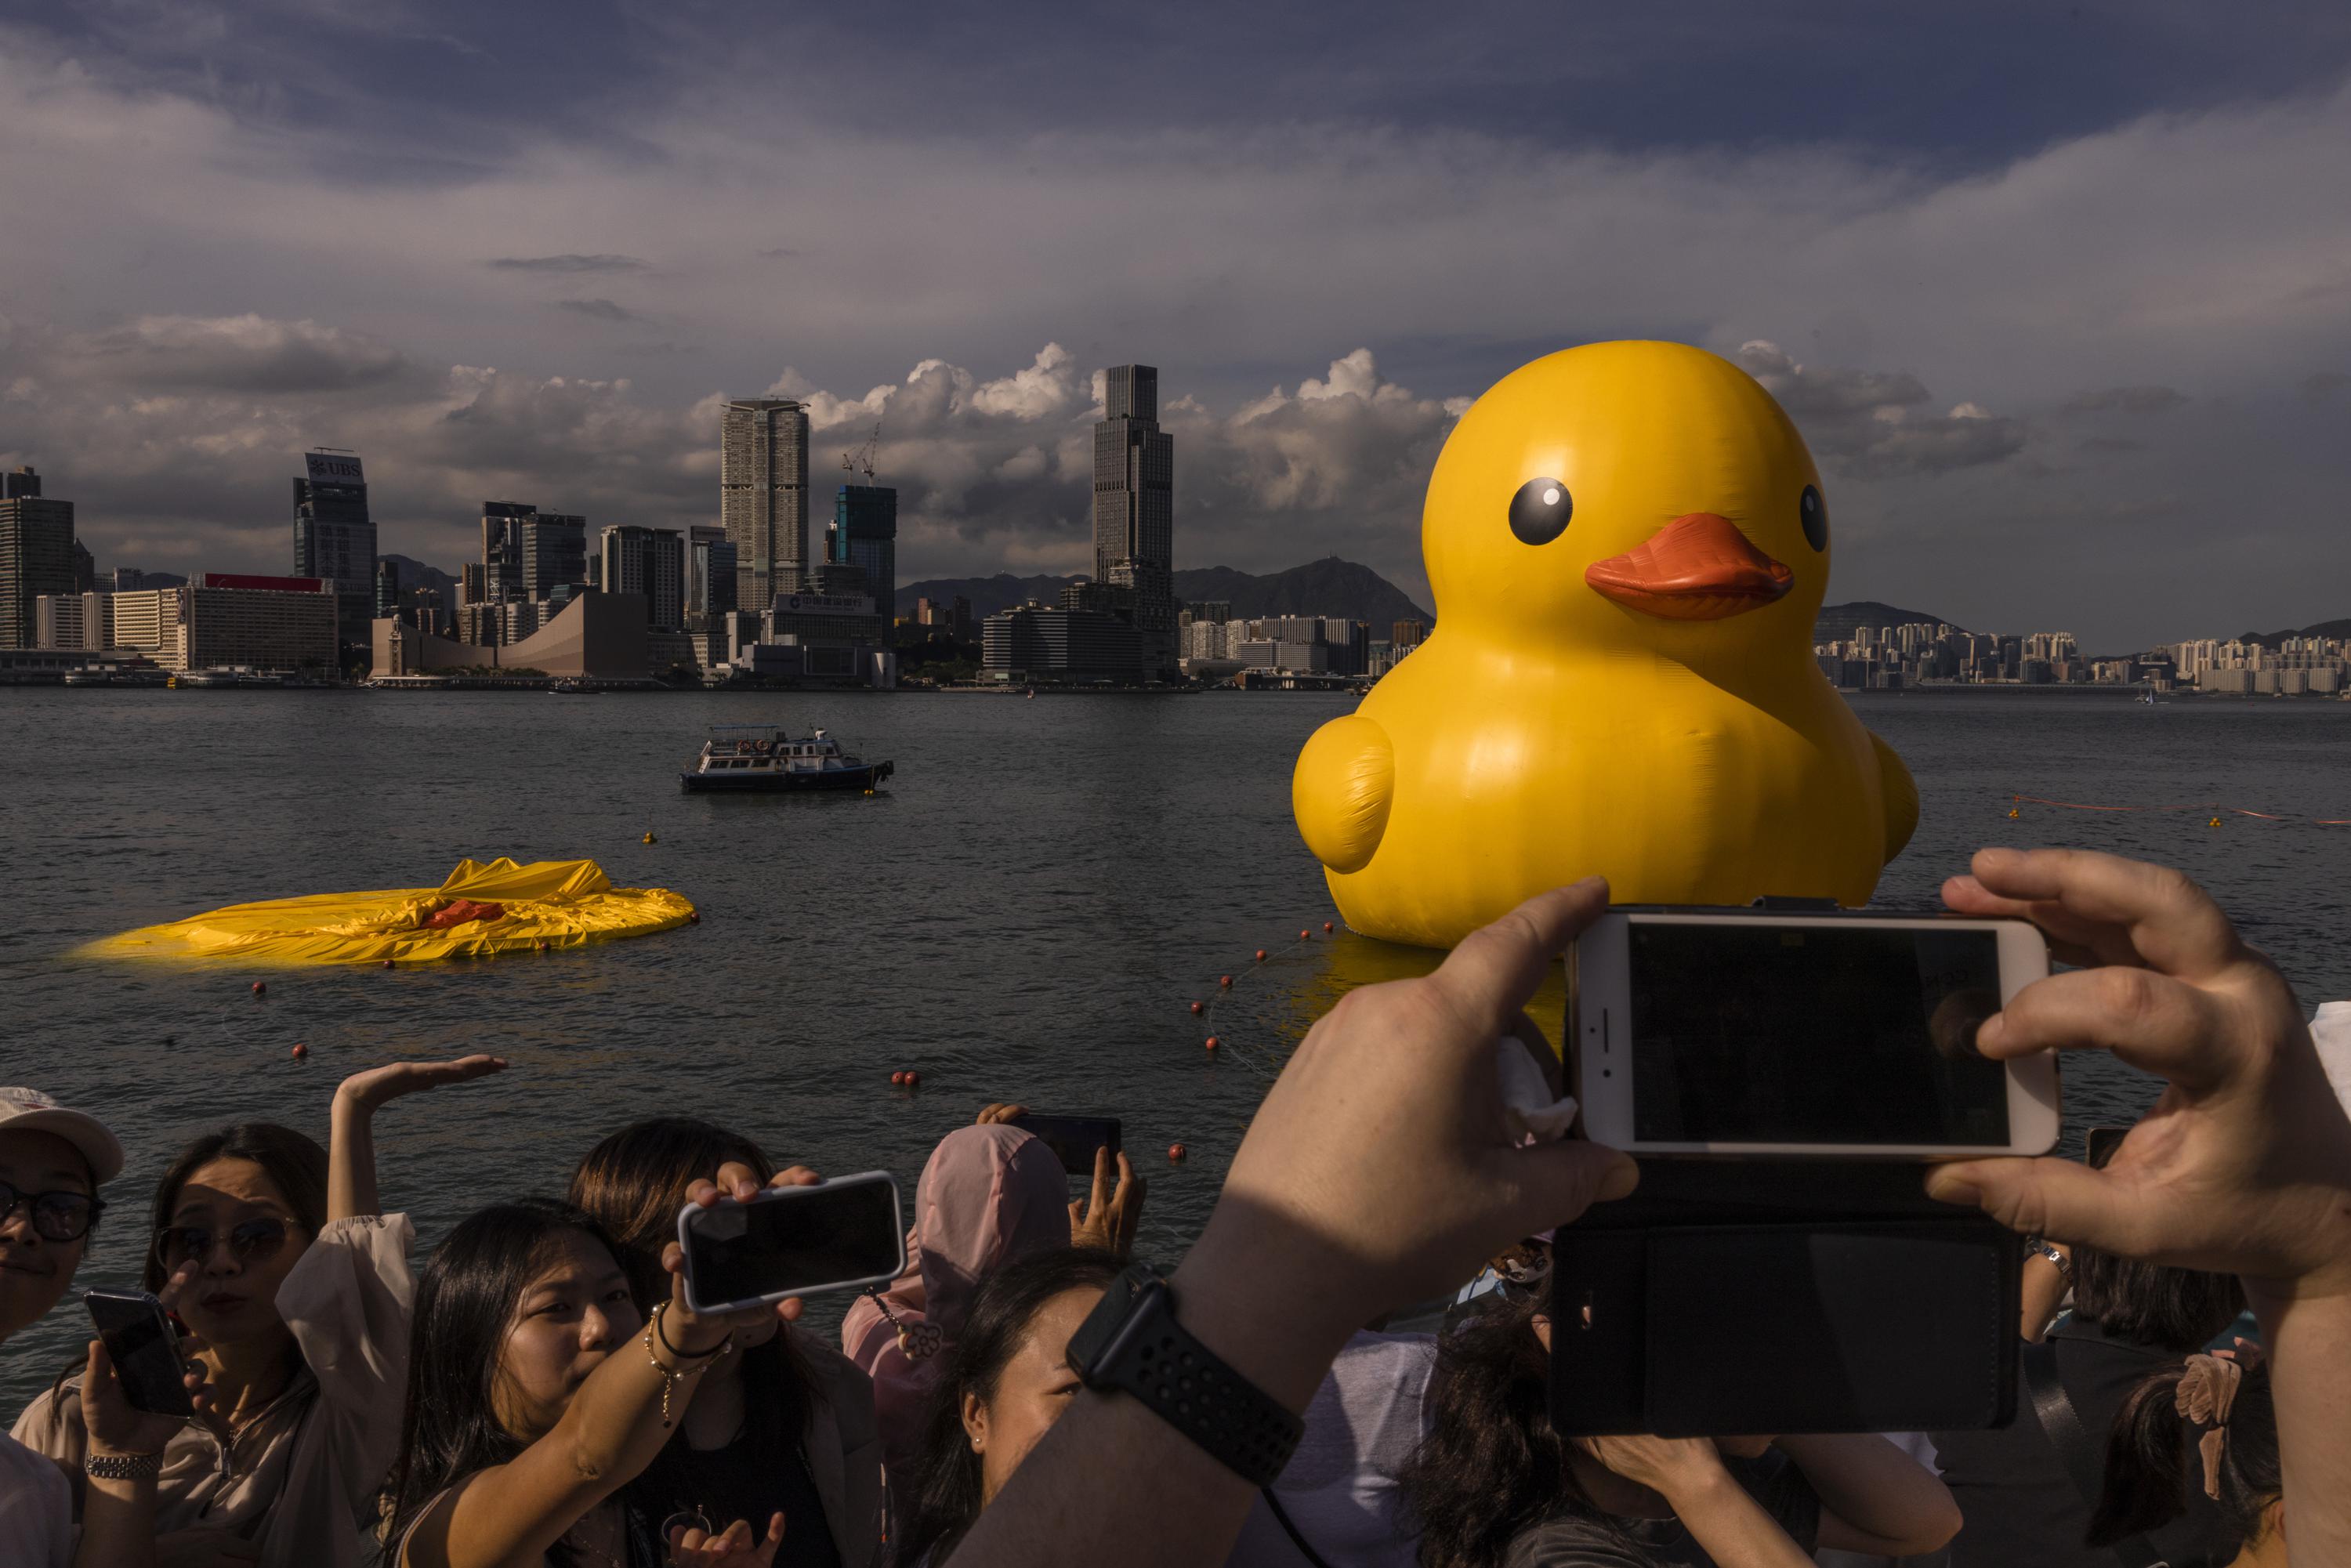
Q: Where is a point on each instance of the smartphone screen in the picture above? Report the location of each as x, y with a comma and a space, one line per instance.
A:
145, 1350
794, 1242
1072, 1139
1769, 1033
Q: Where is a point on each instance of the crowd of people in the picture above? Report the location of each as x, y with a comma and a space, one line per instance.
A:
544, 1392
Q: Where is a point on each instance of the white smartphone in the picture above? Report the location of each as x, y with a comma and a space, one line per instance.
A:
792, 1241
1762, 1034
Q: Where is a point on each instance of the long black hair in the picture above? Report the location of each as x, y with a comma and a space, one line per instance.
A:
465, 1302
2152, 1460
633, 1183
1490, 1464
293, 1162
945, 1497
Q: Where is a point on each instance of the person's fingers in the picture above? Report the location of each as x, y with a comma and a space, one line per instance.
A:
672, 1259
791, 1308
703, 1192
2061, 1199
738, 1181
1098, 1196
767, 1552
797, 1176
2072, 939
1127, 1180
1077, 1218
1552, 1183
2146, 1018
2170, 922
181, 1278
1489, 977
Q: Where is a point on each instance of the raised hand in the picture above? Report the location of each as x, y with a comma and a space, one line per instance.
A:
738, 1181
1667, 1466
996, 1111
377, 1085
2243, 1166
350, 1151
1108, 1218
730, 1548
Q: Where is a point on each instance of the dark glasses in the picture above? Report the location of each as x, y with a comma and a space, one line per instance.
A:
57, 1216
248, 1241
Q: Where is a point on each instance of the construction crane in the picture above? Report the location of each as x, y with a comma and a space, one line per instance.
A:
861, 460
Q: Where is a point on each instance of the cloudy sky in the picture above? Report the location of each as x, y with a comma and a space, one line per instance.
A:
2059, 295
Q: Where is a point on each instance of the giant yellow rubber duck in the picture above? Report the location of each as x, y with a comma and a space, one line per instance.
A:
1628, 543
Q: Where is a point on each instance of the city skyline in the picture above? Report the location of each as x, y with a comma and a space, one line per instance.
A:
2081, 359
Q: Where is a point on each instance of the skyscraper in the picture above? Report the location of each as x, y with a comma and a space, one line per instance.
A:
864, 533
651, 561
554, 556
502, 524
333, 538
710, 571
36, 554
1135, 510
763, 497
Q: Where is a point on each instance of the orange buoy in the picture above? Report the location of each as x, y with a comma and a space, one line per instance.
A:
300, 1051
1212, 1042
541, 946
694, 917
1197, 1010
387, 963
2213, 824
649, 837
1260, 954
913, 1078
897, 1078
1226, 981
1306, 936
1175, 1152
1327, 926
259, 988
2012, 811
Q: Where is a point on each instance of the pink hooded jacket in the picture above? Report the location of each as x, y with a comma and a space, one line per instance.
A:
989, 1197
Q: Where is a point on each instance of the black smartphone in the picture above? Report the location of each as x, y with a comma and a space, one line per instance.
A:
145, 1350
2099, 1144
792, 1241
1072, 1139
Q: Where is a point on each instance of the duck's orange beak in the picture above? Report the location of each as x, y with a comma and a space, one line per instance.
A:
1695, 567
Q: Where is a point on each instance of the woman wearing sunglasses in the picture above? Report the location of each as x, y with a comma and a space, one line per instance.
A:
299, 1289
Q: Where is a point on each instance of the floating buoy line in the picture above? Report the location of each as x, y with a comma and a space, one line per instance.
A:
1215, 1042
2214, 810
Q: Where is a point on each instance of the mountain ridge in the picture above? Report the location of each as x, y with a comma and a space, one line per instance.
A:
1330, 586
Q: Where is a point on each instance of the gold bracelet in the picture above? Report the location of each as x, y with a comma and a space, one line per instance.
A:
670, 1375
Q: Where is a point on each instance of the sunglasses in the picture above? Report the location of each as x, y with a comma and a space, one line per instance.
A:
248, 1241
57, 1216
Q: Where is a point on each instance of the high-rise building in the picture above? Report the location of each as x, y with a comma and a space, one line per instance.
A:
387, 587
1408, 634
36, 554
864, 533
710, 572
554, 556
763, 495
651, 561
333, 538
502, 524
80, 622
1135, 510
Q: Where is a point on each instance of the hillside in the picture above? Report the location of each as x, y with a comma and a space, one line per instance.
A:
415, 574
1836, 621
1327, 587
2323, 628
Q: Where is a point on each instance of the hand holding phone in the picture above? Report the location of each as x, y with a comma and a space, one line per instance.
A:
1074, 1140
739, 1254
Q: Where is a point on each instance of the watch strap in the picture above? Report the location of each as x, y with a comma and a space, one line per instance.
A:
1131, 1343
121, 1467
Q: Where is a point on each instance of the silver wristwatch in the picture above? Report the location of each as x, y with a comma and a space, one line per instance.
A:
121, 1467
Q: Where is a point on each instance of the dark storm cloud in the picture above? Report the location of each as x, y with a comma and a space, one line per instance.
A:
566, 265
1871, 423
2126, 399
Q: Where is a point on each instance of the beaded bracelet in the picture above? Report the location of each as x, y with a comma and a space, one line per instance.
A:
671, 1375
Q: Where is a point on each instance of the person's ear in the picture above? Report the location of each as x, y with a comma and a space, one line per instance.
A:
975, 1422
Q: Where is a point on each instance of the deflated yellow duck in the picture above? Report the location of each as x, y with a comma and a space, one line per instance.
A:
1628, 543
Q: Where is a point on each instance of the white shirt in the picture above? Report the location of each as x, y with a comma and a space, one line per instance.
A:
36, 1510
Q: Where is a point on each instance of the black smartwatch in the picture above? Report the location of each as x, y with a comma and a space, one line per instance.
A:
1131, 1343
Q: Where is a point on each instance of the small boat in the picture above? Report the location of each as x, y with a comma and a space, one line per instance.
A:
202, 678
755, 758
88, 678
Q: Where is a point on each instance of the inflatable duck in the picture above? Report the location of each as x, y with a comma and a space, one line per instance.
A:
1628, 543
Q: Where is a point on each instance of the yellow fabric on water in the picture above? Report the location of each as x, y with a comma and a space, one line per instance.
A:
564, 904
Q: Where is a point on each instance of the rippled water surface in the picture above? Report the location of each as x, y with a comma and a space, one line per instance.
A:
1026, 913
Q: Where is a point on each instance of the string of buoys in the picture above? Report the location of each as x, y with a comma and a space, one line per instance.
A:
1217, 1045
2215, 810
905, 1077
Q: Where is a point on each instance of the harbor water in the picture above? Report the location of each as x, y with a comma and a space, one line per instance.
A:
1025, 913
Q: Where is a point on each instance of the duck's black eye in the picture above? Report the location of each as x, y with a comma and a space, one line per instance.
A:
1539, 512
1814, 513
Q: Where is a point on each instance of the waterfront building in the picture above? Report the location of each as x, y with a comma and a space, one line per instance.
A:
841, 618
650, 563
1408, 634
334, 539
223, 618
952, 616
710, 572
554, 556
36, 553
864, 534
1135, 510
1350, 642
593, 636
1214, 609
387, 587
129, 579
763, 495
1033, 643
73, 621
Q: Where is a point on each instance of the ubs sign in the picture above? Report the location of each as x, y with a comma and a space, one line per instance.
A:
333, 468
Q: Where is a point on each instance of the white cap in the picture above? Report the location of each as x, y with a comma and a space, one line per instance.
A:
30, 1111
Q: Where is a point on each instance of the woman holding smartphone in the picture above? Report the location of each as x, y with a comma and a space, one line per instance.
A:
298, 1298
784, 1425
537, 1393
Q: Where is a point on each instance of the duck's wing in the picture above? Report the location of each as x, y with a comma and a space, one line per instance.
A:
1900, 794
1339, 792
